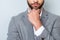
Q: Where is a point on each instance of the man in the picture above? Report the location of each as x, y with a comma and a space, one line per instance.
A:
34, 24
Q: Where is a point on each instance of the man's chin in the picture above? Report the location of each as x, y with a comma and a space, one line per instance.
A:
35, 8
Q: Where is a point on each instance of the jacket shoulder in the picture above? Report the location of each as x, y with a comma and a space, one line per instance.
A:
53, 16
20, 15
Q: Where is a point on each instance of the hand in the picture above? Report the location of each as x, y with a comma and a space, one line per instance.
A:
34, 18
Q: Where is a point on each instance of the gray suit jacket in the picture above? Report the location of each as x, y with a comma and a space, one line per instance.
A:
21, 29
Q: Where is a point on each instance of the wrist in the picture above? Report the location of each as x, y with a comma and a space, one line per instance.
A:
38, 25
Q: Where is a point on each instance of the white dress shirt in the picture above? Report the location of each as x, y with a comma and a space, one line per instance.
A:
40, 30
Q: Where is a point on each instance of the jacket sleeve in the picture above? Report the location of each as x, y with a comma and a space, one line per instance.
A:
56, 29
55, 34
12, 31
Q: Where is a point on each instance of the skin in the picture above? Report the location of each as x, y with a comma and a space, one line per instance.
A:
34, 14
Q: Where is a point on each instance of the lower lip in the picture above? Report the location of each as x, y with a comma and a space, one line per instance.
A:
35, 5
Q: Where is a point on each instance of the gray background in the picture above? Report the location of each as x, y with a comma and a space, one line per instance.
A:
9, 8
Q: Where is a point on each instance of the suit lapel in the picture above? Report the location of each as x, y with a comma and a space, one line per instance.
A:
44, 19
29, 28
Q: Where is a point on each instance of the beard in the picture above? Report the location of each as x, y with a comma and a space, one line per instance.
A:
35, 7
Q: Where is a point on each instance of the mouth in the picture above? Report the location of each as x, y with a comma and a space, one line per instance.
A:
35, 4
